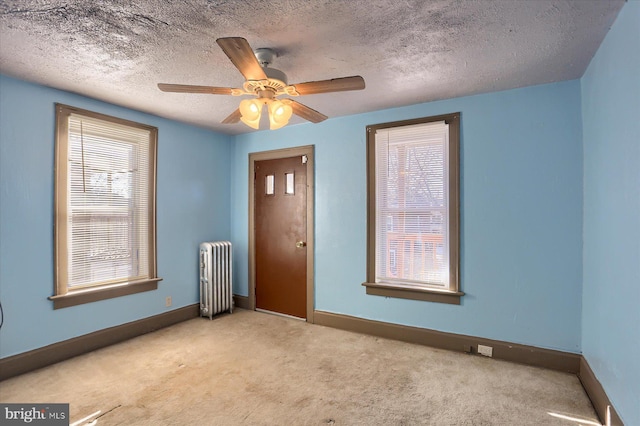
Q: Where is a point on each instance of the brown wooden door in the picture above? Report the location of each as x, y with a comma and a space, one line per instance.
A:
280, 235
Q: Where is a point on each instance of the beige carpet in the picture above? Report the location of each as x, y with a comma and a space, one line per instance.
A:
252, 368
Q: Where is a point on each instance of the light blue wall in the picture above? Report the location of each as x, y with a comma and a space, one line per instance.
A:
521, 216
611, 294
192, 206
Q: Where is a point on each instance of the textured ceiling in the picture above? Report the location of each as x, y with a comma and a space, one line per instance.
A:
408, 51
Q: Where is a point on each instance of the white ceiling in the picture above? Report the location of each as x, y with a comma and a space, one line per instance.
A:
408, 51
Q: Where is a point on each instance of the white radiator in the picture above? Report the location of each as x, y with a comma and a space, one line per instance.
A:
215, 278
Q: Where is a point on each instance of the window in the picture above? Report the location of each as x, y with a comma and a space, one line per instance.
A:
413, 209
105, 239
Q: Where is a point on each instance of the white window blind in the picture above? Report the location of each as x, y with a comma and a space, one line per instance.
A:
108, 203
412, 208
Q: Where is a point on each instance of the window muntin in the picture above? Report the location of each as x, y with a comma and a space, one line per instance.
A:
105, 202
413, 217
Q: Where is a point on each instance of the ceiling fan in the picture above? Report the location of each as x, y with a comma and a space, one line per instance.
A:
266, 84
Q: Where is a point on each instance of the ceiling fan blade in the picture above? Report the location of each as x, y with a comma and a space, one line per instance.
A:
186, 88
242, 56
305, 112
334, 85
233, 118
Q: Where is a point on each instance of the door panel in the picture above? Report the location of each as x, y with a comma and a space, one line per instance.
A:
280, 235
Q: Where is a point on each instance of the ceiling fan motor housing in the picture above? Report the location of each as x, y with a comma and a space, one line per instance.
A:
275, 74
276, 82
276, 79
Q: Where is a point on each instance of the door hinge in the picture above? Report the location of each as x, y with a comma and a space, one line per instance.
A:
304, 159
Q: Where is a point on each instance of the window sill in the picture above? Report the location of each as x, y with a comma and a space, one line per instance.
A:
80, 297
410, 292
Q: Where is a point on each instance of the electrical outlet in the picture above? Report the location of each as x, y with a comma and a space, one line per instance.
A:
485, 350
168, 301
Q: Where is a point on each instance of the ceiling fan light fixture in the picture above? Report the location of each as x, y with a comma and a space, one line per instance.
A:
251, 111
266, 84
279, 114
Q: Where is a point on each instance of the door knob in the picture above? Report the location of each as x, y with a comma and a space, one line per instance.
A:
300, 244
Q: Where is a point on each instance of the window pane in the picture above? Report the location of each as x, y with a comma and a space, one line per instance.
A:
270, 184
107, 202
412, 243
290, 185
